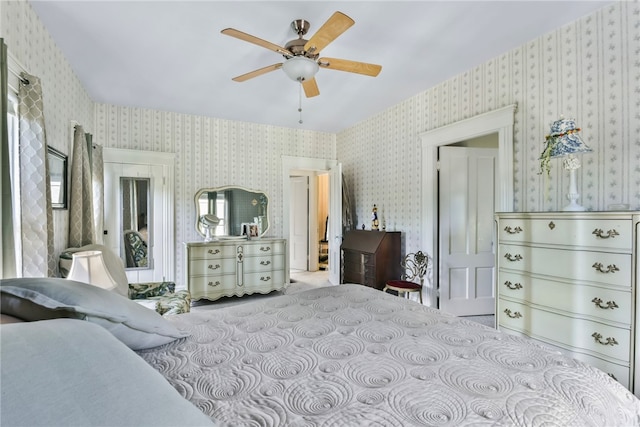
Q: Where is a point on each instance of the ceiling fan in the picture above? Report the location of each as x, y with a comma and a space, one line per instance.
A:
302, 60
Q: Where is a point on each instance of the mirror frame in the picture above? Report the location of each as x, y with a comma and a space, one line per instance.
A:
223, 188
58, 160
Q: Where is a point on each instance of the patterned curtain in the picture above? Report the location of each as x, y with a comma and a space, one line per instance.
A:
97, 174
7, 250
35, 193
81, 217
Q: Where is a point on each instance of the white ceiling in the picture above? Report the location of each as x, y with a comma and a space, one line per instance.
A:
170, 55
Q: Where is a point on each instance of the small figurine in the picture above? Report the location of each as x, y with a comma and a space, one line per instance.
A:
363, 226
374, 218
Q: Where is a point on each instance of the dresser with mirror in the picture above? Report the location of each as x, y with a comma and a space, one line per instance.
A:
235, 257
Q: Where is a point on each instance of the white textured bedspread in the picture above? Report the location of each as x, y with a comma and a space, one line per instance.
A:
354, 356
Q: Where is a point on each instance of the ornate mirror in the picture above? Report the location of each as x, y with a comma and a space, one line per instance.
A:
231, 211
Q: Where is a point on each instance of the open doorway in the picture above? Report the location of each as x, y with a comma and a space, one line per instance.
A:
498, 122
308, 221
327, 189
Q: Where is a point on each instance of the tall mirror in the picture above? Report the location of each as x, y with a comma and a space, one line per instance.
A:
136, 217
231, 211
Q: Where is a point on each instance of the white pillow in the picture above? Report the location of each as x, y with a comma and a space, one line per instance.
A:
49, 298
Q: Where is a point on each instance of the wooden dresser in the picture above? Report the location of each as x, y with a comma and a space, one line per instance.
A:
370, 258
569, 279
235, 267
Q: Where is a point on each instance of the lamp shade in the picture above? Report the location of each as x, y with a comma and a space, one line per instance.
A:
300, 68
89, 267
564, 139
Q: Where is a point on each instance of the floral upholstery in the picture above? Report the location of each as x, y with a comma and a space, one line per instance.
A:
136, 249
162, 295
152, 289
167, 300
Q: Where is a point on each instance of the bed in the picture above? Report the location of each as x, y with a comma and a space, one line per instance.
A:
338, 356
351, 355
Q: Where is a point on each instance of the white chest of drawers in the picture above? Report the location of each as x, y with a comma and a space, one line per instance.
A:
569, 280
232, 267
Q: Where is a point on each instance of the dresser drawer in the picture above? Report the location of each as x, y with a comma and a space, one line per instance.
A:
601, 233
262, 248
621, 372
263, 263
212, 252
599, 302
266, 281
594, 337
211, 286
212, 267
600, 267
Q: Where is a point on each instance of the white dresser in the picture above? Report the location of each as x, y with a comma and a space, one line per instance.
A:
235, 267
569, 280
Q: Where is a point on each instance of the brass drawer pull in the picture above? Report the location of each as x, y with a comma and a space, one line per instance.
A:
515, 315
610, 304
610, 268
212, 284
610, 341
552, 225
265, 279
513, 286
213, 251
510, 230
213, 267
611, 233
265, 248
265, 262
516, 257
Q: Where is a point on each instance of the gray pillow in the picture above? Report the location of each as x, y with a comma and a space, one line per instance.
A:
68, 372
49, 298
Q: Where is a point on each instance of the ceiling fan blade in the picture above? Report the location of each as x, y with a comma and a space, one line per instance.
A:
350, 66
256, 73
255, 40
310, 88
337, 24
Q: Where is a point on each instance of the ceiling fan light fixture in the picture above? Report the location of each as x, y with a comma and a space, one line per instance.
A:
300, 68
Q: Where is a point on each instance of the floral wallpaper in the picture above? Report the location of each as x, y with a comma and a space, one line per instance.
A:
209, 153
587, 70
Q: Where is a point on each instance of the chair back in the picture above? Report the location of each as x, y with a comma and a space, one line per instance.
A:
415, 266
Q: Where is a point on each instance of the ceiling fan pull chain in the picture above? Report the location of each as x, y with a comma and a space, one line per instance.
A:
300, 100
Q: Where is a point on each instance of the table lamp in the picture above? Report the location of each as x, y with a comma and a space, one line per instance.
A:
564, 141
89, 267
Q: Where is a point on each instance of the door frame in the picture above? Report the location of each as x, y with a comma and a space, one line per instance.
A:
291, 164
498, 121
164, 251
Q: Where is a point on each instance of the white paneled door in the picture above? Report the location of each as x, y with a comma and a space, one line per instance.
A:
158, 167
467, 204
299, 223
334, 234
